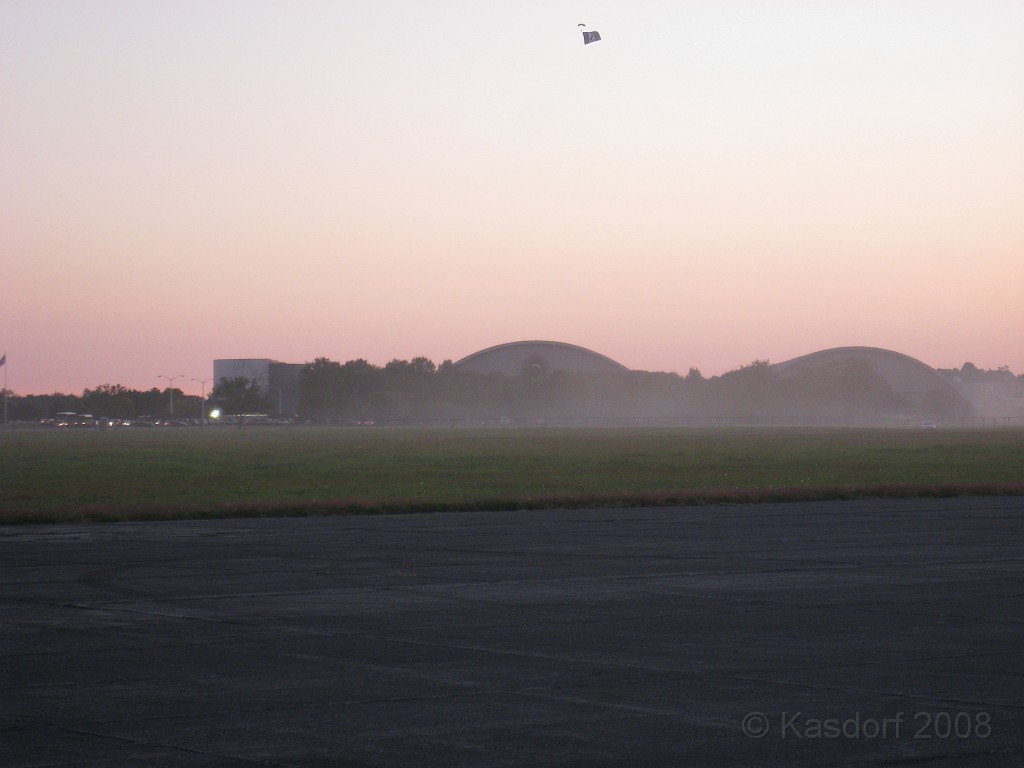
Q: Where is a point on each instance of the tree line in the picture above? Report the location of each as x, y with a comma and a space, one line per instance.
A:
418, 390
106, 400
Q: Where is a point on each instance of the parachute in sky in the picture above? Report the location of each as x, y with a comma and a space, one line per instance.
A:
588, 36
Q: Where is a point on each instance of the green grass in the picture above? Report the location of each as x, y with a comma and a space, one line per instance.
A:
180, 473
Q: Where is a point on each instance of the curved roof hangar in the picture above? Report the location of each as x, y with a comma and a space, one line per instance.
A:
537, 357
906, 375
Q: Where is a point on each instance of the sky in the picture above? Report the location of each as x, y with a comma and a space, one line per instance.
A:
714, 182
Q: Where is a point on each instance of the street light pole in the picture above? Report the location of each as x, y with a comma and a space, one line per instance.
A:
202, 401
170, 389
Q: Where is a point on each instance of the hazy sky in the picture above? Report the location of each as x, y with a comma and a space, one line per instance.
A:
716, 181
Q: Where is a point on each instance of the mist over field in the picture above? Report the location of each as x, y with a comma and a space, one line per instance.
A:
841, 390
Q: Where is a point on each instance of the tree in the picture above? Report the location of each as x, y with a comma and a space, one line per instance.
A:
109, 400
363, 390
239, 395
322, 390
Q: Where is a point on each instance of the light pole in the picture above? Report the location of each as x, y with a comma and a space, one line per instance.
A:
202, 401
170, 389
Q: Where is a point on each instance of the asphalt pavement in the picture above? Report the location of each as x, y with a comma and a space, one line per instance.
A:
863, 633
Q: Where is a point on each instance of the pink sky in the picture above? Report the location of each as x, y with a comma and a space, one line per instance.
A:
711, 184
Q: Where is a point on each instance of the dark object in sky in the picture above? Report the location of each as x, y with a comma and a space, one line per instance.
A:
589, 37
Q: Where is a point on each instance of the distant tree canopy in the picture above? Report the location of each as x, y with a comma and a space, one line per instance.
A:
239, 395
117, 401
418, 390
359, 391
971, 374
106, 400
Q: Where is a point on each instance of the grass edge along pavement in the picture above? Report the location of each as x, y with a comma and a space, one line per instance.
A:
98, 514
48, 477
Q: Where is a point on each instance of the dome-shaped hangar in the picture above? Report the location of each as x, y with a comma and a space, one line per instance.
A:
533, 357
906, 376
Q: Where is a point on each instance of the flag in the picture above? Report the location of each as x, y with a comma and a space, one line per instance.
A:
590, 37
3, 361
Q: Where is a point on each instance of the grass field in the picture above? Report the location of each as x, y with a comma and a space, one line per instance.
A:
182, 473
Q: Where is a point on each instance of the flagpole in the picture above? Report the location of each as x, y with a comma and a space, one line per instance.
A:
5, 389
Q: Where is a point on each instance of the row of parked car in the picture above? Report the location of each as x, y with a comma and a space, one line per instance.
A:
88, 421
70, 420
